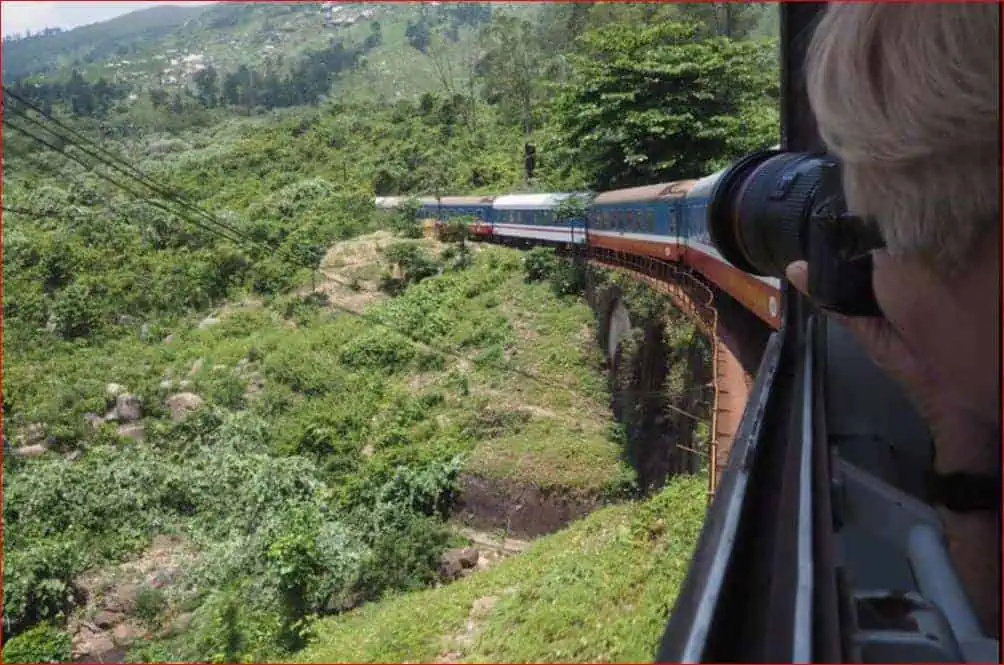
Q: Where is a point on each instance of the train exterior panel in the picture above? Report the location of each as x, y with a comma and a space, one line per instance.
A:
532, 217
641, 220
760, 295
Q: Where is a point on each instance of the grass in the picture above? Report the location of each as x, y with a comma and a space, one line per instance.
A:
599, 591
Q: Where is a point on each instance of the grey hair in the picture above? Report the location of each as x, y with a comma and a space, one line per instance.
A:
907, 96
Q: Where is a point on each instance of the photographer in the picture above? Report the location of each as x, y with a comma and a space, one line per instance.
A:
907, 96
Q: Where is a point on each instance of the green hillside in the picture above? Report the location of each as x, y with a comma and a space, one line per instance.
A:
248, 416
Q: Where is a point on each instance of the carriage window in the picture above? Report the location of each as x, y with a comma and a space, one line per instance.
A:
650, 220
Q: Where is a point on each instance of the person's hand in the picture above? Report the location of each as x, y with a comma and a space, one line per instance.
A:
917, 349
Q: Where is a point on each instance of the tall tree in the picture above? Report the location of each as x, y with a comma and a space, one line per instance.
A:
510, 68
206, 84
664, 104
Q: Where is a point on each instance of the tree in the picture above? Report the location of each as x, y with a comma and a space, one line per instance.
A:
663, 104
206, 82
511, 68
158, 97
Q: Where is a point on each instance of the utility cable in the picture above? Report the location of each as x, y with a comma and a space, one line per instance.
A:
91, 168
112, 160
137, 195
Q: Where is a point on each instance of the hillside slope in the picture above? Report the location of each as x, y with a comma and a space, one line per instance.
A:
599, 591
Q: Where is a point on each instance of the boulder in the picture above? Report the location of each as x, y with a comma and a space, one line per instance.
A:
94, 420
181, 404
34, 450
207, 322
33, 433
128, 408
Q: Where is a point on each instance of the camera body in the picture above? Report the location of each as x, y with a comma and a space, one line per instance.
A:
772, 208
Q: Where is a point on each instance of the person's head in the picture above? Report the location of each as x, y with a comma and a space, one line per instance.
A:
907, 96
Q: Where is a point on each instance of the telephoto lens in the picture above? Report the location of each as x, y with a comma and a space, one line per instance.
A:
761, 207
772, 208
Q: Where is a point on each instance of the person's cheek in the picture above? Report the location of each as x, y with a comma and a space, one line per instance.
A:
959, 348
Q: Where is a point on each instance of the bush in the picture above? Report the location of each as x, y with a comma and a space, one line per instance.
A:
379, 350
405, 222
538, 263
41, 644
150, 603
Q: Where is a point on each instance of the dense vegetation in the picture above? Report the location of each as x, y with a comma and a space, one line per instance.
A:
319, 471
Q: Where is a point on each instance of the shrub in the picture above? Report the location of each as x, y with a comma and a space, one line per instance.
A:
538, 263
41, 644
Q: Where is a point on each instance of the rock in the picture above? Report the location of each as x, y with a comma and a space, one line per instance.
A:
34, 433
181, 404
168, 339
74, 455
469, 557
456, 561
94, 645
450, 569
242, 363
129, 408
107, 618
111, 417
113, 390
126, 633
33, 450
208, 322
123, 600
196, 367
94, 420
135, 431
368, 450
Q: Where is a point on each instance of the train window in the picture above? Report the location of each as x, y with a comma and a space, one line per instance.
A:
636, 220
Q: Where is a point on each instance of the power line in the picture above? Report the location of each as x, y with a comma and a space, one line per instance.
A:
7, 121
112, 160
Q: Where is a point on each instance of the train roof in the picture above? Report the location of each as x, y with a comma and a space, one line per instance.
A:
662, 191
465, 200
388, 201
704, 186
529, 201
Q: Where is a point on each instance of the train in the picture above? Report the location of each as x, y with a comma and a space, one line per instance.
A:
666, 222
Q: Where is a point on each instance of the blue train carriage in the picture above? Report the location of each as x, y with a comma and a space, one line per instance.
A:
477, 208
761, 295
528, 218
644, 221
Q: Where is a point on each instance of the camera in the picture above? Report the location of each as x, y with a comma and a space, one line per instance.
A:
772, 207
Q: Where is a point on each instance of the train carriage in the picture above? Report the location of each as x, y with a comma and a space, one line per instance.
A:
533, 217
445, 208
639, 220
